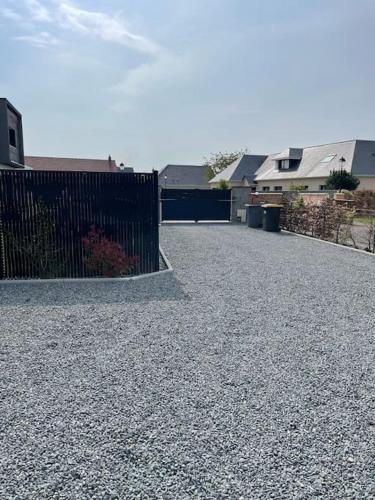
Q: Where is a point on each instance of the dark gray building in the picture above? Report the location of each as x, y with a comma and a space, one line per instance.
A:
183, 177
11, 136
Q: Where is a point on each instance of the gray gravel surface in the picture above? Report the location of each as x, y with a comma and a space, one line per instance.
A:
247, 374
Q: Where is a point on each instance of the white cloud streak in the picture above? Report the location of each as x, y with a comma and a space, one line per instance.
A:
41, 40
38, 11
108, 28
11, 14
64, 14
154, 74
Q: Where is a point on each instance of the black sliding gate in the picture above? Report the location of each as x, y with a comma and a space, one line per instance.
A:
195, 204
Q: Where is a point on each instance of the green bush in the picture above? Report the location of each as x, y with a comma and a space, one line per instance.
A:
296, 187
223, 184
341, 179
348, 194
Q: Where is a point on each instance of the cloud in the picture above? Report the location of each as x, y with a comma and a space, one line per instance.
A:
106, 27
38, 11
41, 40
11, 14
167, 68
64, 14
161, 70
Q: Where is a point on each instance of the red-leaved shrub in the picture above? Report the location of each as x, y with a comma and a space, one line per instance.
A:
105, 257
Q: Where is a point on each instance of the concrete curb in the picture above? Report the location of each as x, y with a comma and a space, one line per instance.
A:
352, 249
169, 270
166, 260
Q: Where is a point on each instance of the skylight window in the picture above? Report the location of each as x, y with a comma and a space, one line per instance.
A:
327, 159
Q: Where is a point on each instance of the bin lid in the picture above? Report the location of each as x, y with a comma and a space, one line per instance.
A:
272, 205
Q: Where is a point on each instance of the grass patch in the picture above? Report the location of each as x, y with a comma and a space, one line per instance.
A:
364, 219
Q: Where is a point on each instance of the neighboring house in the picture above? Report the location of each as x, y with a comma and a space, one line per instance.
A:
183, 177
71, 164
11, 136
311, 166
241, 172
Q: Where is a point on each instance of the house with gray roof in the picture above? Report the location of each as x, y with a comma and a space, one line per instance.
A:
183, 177
308, 167
240, 172
312, 165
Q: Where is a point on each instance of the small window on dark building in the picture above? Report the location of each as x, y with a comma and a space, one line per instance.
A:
253, 189
265, 188
278, 188
12, 137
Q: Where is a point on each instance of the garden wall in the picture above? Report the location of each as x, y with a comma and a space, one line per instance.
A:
313, 198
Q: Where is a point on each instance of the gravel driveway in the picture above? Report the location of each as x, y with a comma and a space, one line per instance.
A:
248, 374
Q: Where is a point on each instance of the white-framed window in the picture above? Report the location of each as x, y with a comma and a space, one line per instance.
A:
284, 164
322, 187
265, 188
278, 188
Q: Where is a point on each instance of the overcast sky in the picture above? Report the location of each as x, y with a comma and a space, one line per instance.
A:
169, 81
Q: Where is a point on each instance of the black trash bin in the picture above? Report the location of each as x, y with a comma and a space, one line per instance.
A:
254, 215
271, 217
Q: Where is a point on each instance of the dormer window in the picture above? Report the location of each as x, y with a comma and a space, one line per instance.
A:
287, 164
284, 164
288, 159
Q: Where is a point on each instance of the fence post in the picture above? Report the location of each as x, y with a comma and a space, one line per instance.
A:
156, 211
2, 253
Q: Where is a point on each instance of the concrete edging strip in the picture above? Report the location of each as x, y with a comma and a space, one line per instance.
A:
169, 270
345, 247
166, 260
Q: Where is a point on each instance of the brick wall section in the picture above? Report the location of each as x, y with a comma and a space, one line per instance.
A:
312, 198
260, 198
315, 198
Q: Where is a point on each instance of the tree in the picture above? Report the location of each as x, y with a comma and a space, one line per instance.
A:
223, 184
341, 179
218, 162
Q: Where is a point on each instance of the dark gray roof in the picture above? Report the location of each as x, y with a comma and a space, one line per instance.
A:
364, 158
311, 163
245, 166
290, 154
184, 174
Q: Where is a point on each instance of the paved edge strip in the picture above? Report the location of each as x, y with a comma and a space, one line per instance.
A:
169, 270
344, 247
166, 260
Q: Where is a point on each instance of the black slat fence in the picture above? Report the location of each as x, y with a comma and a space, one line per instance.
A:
45, 215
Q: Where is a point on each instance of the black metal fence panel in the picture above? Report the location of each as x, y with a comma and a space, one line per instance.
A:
46, 216
195, 204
